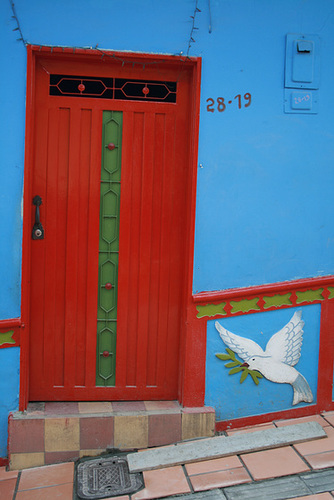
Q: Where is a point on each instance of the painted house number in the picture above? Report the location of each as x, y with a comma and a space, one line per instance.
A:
220, 103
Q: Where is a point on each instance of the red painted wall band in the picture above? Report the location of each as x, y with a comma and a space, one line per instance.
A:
283, 287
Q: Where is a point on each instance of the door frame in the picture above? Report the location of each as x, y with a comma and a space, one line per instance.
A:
186, 393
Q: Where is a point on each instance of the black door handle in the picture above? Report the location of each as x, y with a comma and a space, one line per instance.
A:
37, 230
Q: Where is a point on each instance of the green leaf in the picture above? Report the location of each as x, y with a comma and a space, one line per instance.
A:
231, 353
224, 357
231, 364
254, 377
243, 376
237, 369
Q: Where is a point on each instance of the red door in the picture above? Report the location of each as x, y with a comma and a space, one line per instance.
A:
149, 264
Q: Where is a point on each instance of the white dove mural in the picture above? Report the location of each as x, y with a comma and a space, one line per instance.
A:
277, 362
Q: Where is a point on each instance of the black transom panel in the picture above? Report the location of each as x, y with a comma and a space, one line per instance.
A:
112, 88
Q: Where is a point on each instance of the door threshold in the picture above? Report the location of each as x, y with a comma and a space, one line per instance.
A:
53, 432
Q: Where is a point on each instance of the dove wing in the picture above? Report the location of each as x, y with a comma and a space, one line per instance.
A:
245, 348
286, 344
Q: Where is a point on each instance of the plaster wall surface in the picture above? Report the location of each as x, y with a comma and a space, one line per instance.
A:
9, 390
264, 211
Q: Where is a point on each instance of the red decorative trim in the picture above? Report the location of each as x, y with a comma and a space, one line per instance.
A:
4, 462
268, 417
227, 302
273, 288
25, 288
141, 57
257, 299
326, 355
194, 361
193, 338
10, 323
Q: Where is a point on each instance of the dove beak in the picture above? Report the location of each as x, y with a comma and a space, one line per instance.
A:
246, 365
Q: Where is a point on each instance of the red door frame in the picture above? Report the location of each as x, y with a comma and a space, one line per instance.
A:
191, 385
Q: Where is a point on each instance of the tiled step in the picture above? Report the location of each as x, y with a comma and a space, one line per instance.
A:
49, 433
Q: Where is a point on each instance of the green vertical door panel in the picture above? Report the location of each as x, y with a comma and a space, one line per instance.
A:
109, 247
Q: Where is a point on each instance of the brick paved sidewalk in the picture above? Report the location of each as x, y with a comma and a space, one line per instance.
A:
301, 471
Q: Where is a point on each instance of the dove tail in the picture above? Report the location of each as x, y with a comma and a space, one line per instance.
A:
301, 391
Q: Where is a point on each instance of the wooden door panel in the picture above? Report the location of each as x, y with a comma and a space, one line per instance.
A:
152, 254
146, 254
63, 344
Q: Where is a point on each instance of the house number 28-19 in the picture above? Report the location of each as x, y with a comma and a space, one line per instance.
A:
220, 104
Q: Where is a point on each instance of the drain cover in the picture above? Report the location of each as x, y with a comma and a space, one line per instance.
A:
106, 477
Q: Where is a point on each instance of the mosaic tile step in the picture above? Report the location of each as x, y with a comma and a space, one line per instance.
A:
49, 433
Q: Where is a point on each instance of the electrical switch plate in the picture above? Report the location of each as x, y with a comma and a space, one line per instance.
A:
300, 101
302, 61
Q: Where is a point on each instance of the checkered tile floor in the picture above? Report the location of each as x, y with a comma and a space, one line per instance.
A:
301, 471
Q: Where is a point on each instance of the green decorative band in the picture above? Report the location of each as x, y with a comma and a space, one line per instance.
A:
245, 305
211, 310
309, 296
277, 300
108, 247
263, 303
6, 337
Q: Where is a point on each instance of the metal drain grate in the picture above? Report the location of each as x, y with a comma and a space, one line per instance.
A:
106, 477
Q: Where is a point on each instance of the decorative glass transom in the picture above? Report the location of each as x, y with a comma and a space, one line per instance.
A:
112, 88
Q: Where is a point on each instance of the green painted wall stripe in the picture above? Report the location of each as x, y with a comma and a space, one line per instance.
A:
249, 305
277, 300
245, 305
6, 337
211, 310
309, 296
108, 248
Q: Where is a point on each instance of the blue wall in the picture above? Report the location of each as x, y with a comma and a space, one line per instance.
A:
264, 200
263, 211
12, 106
9, 390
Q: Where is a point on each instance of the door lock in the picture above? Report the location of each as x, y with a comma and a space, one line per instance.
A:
37, 230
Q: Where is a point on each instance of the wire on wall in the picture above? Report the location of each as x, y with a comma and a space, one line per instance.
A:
193, 27
18, 27
120, 59
111, 55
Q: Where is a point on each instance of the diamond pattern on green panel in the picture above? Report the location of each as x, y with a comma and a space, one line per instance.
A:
108, 247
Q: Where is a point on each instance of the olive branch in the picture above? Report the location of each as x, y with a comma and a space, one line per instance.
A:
235, 365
